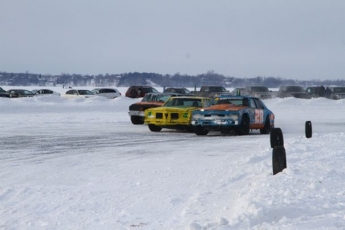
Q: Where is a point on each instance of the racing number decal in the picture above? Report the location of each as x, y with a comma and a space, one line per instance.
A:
259, 116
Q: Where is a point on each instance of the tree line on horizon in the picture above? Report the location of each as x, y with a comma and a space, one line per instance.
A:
136, 78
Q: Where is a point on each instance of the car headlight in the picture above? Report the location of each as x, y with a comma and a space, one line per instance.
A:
234, 117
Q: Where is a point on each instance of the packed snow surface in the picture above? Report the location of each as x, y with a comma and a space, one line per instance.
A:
81, 164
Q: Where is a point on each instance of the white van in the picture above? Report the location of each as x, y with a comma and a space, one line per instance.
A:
109, 93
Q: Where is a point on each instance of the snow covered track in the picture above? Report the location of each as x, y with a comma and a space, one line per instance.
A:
82, 165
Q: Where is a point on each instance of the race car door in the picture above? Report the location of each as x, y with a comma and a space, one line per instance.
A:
259, 118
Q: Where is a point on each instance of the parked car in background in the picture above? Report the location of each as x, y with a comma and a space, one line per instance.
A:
45, 92
261, 92
16, 93
292, 91
109, 93
210, 90
3, 93
79, 93
151, 100
139, 91
176, 113
335, 92
238, 113
184, 91
316, 91
237, 91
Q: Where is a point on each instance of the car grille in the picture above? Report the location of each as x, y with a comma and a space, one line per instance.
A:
174, 115
210, 115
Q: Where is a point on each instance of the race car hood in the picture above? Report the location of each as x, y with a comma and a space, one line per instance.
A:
150, 103
173, 109
225, 107
145, 104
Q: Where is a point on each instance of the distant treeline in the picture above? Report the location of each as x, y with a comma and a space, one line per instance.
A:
154, 79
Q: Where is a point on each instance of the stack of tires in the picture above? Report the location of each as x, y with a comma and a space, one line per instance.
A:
279, 154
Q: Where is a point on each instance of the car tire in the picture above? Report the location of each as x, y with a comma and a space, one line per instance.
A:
155, 128
276, 137
308, 129
200, 131
137, 120
278, 159
243, 128
267, 127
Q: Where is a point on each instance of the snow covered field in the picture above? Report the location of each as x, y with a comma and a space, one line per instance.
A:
81, 164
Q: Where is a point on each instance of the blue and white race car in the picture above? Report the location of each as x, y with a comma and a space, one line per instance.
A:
228, 112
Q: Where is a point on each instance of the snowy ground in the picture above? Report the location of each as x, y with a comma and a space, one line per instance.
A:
81, 164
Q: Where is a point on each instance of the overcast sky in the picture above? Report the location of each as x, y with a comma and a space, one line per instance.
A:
297, 39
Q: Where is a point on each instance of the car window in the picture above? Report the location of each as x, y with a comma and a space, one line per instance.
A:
227, 100
184, 102
260, 89
109, 91
252, 103
258, 104
154, 90
25, 92
217, 89
294, 89
163, 97
85, 92
147, 97
339, 90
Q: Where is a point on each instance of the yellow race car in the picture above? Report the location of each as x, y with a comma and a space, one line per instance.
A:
176, 113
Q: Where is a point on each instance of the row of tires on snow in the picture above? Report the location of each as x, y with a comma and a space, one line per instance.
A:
277, 144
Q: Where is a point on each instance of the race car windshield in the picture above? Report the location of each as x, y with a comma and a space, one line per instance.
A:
233, 101
183, 102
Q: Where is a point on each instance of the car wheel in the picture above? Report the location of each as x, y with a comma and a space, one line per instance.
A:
267, 128
278, 159
243, 128
200, 131
155, 128
276, 137
137, 120
308, 129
